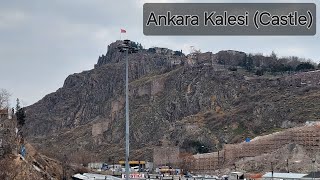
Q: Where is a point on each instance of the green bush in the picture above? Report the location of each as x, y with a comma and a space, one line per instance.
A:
305, 66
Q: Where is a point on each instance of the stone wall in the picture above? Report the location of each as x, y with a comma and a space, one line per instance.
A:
166, 155
307, 136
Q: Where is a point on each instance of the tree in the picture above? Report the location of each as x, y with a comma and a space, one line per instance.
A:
319, 66
195, 146
20, 113
151, 50
259, 72
4, 98
194, 51
136, 45
305, 66
273, 55
249, 63
178, 53
139, 46
18, 104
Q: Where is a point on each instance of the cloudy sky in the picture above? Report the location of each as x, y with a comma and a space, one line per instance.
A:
42, 42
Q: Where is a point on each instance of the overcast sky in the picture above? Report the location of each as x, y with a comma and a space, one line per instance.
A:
42, 42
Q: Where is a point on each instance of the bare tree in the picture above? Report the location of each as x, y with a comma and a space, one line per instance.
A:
4, 98
193, 50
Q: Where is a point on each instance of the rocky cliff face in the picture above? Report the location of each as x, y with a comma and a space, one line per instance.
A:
33, 165
176, 100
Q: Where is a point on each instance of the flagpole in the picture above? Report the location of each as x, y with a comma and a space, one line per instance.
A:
122, 31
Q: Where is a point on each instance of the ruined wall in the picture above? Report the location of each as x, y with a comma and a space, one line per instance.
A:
116, 107
150, 88
97, 131
205, 57
200, 58
166, 155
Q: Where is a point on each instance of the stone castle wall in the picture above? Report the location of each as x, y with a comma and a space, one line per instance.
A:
307, 136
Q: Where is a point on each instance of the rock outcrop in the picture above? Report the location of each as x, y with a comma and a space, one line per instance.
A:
172, 101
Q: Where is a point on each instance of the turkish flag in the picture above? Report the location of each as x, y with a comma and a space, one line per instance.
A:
123, 31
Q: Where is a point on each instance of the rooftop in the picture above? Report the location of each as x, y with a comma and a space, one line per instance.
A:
283, 175
3, 111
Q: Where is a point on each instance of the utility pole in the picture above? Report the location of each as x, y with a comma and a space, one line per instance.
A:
313, 173
127, 119
271, 170
113, 166
126, 47
165, 156
64, 168
218, 162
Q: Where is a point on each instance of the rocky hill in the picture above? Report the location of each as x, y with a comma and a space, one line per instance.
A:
32, 165
202, 99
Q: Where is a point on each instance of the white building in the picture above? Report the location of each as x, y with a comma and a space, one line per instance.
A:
282, 176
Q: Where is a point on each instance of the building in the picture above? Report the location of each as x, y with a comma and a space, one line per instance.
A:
4, 113
282, 176
96, 165
312, 176
132, 164
236, 175
87, 176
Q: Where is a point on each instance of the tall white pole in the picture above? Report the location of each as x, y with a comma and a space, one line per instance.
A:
127, 118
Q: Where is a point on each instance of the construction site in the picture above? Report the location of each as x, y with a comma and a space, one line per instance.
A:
291, 150
306, 137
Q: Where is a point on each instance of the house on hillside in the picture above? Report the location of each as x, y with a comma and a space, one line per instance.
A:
4, 113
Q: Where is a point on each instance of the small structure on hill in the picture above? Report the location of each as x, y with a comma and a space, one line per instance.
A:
4, 113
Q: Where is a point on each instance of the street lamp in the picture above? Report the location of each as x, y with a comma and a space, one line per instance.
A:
167, 157
128, 49
271, 170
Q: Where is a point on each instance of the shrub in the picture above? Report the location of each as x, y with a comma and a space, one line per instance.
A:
232, 68
305, 66
259, 72
81, 170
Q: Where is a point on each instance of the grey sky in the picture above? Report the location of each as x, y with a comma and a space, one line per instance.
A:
42, 42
